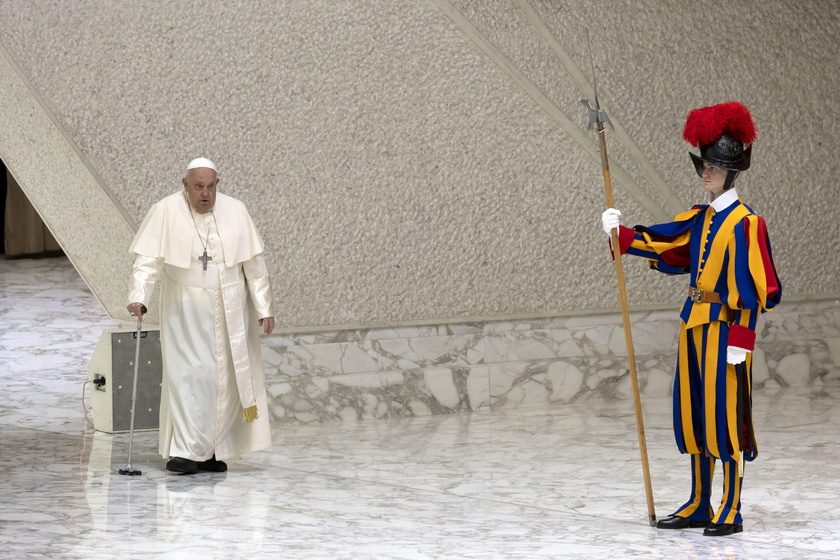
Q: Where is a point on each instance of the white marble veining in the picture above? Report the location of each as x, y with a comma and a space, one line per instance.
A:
558, 479
501, 365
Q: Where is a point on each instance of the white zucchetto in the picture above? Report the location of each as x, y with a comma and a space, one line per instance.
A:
202, 162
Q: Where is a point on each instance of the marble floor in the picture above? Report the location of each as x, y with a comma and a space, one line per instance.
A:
559, 482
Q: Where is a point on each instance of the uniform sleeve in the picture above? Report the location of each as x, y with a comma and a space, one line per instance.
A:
259, 285
753, 282
665, 246
144, 276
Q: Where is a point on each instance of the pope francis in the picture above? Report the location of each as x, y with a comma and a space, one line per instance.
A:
215, 295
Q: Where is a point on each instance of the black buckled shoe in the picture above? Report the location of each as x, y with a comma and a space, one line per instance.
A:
723, 529
181, 465
676, 522
212, 465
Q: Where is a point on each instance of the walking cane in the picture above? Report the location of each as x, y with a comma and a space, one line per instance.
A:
597, 118
128, 469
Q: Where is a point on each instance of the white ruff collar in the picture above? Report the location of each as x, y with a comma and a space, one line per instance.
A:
725, 200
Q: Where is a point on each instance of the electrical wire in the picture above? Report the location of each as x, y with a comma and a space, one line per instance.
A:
86, 410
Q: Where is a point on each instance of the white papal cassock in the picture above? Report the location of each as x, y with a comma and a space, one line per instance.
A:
212, 366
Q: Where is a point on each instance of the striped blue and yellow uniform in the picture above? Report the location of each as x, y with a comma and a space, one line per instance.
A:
725, 252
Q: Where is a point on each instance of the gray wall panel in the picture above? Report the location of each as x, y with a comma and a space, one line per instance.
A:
422, 160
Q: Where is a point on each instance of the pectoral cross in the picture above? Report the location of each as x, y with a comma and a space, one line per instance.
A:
204, 258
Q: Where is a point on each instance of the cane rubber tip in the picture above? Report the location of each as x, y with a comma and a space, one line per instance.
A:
653, 521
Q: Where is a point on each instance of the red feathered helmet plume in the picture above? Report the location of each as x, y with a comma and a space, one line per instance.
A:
724, 133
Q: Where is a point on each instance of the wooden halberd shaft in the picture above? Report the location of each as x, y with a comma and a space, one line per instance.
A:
628, 335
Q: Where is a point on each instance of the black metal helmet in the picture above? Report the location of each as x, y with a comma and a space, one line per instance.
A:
724, 133
726, 152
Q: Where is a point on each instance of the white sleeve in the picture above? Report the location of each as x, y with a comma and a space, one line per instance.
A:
259, 285
144, 275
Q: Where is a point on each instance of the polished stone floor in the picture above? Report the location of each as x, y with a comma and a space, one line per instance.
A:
559, 482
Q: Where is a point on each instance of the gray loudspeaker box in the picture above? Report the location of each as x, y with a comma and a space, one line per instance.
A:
111, 372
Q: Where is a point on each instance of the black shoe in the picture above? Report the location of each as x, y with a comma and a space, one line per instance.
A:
181, 465
722, 529
212, 465
675, 522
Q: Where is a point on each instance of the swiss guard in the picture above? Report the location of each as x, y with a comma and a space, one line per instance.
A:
724, 249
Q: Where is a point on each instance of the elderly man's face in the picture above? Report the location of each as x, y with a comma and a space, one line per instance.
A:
200, 184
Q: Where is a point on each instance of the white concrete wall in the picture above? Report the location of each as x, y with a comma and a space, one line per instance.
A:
419, 160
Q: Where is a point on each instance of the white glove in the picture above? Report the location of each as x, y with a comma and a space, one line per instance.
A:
609, 219
735, 355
